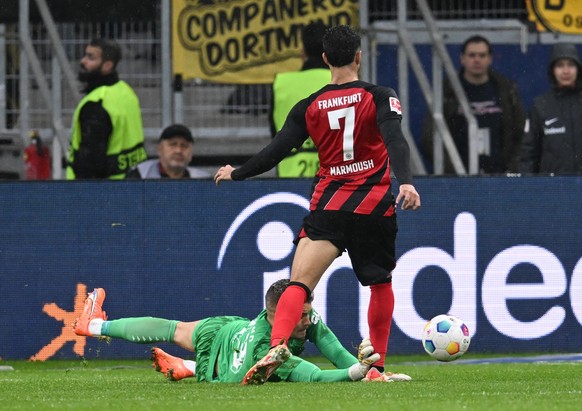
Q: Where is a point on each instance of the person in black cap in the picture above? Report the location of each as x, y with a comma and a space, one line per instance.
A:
175, 153
553, 138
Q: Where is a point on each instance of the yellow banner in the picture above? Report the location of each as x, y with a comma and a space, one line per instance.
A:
247, 41
559, 16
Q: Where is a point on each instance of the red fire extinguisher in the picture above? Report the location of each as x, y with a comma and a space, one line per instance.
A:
37, 159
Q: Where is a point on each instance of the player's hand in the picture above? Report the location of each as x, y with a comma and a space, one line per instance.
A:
223, 174
366, 357
409, 197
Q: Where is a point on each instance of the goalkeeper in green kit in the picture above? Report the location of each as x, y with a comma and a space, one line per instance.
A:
227, 347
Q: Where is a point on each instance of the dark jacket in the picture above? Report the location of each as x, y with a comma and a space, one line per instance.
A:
513, 119
553, 138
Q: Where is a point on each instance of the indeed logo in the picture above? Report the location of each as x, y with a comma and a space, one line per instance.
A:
274, 242
496, 292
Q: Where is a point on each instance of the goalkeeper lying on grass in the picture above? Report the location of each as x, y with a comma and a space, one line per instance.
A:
228, 347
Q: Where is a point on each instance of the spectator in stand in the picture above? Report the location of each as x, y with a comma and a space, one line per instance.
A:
553, 138
175, 150
496, 104
289, 88
107, 133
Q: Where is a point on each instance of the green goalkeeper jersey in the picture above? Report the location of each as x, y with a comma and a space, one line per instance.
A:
240, 343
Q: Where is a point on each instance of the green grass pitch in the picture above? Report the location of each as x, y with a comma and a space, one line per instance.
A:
134, 385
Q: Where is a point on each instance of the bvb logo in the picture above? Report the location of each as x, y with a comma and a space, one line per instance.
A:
559, 16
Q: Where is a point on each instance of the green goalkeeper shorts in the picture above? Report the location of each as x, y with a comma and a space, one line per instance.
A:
202, 339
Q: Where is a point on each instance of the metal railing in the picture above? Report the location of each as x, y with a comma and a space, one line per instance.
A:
407, 33
451, 9
38, 89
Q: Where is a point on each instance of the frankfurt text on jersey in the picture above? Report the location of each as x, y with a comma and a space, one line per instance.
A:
339, 101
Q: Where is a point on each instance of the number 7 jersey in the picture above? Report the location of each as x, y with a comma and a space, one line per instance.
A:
356, 129
344, 122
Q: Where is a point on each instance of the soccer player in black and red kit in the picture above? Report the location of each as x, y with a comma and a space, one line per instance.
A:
356, 128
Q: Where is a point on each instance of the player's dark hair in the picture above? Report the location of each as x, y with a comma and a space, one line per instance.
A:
312, 38
340, 44
110, 50
476, 39
275, 292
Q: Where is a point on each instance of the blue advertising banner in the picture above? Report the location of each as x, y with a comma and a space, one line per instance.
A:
504, 254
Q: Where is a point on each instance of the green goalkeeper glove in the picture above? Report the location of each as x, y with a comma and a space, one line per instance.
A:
366, 357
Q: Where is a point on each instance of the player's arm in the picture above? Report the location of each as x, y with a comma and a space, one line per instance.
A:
399, 151
292, 135
304, 371
398, 148
328, 344
270, 114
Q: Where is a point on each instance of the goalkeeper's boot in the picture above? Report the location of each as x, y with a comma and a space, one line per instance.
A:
91, 311
172, 367
261, 371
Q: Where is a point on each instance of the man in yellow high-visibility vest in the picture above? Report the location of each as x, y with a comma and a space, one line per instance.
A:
107, 132
289, 88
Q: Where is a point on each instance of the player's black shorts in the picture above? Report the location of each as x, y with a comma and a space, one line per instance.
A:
370, 241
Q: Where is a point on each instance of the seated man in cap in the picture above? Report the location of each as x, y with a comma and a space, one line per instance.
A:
175, 153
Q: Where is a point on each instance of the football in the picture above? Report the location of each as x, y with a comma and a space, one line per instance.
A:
445, 338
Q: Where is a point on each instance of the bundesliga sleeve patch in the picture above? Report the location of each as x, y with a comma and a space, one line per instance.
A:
395, 105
